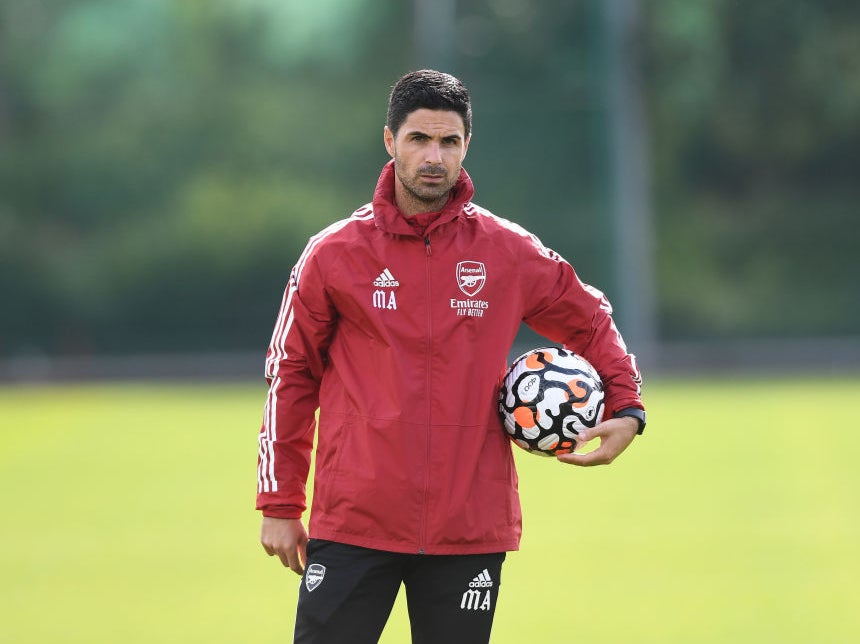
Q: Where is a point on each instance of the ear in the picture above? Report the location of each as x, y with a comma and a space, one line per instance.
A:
466, 145
388, 138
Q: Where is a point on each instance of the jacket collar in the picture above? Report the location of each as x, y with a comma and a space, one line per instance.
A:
389, 218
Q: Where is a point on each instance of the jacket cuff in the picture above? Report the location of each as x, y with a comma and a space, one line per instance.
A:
633, 412
282, 511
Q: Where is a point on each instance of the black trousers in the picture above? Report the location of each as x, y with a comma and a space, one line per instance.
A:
347, 593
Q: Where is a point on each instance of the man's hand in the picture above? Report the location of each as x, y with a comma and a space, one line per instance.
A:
286, 538
615, 435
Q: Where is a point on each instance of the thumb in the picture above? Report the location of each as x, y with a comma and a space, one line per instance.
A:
303, 552
591, 458
584, 459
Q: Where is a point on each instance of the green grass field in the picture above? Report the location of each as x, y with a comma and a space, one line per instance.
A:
127, 516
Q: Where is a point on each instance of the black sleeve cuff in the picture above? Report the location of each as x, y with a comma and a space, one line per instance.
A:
633, 412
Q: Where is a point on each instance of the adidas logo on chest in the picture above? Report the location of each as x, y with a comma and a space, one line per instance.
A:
383, 298
386, 280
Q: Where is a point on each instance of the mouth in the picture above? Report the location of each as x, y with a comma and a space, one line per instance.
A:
431, 178
431, 172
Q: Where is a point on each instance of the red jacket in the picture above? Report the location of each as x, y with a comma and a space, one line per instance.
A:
399, 332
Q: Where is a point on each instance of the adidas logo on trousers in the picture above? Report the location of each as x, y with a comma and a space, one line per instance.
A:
478, 596
482, 581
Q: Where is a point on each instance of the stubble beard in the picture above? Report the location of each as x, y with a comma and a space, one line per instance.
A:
430, 198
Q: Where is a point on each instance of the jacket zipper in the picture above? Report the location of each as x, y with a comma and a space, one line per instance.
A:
423, 535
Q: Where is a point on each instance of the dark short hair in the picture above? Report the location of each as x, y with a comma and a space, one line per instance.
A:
428, 89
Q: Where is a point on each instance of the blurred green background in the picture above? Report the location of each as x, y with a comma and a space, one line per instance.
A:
162, 164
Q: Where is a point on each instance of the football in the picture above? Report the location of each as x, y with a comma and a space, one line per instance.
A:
547, 397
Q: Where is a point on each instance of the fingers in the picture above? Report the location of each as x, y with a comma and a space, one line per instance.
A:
286, 539
295, 557
303, 551
291, 557
614, 434
296, 564
600, 456
291, 560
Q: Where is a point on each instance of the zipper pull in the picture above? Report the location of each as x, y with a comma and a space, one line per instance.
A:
427, 246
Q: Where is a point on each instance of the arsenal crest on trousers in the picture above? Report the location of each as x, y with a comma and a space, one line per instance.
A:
314, 576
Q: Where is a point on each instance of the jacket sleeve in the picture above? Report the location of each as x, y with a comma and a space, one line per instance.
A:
294, 365
563, 309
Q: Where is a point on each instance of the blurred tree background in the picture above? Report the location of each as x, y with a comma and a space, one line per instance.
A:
162, 163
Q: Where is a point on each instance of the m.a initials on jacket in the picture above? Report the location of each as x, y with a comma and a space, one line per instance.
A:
398, 330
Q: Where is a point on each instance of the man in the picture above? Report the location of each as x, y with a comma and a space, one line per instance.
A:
414, 480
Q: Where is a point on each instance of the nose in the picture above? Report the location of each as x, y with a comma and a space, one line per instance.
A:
433, 153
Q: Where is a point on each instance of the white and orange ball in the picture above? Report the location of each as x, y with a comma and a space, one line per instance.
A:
547, 397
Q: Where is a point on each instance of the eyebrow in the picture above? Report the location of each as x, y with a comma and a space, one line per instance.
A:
420, 133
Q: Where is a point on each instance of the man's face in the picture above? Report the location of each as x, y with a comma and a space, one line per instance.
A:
428, 154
